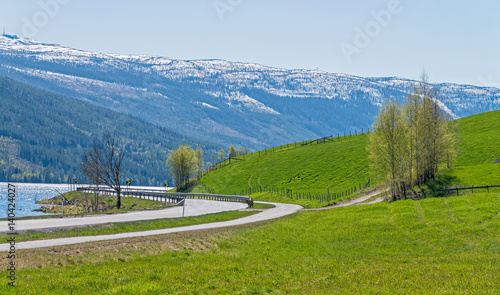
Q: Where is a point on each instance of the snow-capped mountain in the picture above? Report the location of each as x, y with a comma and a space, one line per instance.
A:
225, 102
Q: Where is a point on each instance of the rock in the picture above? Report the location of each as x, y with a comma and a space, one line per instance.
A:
497, 161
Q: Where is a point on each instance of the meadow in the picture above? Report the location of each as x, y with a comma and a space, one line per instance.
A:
332, 167
440, 245
437, 245
478, 147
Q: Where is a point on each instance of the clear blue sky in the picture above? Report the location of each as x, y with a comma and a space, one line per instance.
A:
455, 41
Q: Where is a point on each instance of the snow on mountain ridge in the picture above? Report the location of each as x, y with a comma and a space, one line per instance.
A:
205, 98
304, 82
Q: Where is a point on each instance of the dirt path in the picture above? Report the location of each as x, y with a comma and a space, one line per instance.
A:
356, 201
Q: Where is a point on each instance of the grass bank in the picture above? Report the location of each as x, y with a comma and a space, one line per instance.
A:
333, 167
438, 245
121, 227
478, 147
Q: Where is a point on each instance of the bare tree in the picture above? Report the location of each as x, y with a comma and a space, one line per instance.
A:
102, 163
243, 151
199, 155
388, 149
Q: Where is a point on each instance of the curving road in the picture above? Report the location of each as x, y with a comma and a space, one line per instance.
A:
280, 210
193, 208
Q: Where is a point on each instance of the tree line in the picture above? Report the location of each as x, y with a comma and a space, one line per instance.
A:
411, 140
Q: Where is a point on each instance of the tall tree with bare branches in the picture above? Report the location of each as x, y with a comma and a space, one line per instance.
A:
102, 163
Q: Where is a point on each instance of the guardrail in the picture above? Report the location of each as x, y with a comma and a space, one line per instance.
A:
162, 195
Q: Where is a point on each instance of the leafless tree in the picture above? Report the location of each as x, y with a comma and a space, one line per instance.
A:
102, 163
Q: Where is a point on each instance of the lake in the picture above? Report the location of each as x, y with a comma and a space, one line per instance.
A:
26, 196
28, 193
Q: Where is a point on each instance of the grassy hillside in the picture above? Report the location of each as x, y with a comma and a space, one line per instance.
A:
338, 165
43, 137
331, 167
434, 246
478, 139
478, 147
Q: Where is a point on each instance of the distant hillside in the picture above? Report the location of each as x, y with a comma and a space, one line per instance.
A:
478, 139
43, 137
478, 147
342, 163
226, 102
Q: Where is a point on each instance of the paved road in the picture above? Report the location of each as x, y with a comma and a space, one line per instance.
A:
193, 208
280, 210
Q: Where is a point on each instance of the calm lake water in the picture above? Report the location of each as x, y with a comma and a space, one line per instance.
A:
28, 193
26, 196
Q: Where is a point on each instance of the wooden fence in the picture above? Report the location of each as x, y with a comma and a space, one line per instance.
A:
472, 188
297, 195
275, 149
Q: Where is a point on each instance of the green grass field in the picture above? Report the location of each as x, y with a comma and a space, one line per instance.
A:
318, 169
338, 165
478, 147
478, 139
434, 246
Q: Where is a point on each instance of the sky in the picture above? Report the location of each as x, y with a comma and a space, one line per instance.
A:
453, 41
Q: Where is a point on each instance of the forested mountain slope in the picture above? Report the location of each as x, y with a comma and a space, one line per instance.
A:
43, 137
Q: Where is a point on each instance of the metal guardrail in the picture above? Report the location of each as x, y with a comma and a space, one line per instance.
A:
161, 195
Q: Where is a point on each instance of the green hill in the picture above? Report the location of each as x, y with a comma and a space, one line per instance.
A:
340, 164
478, 139
478, 147
311, 175
43, 136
